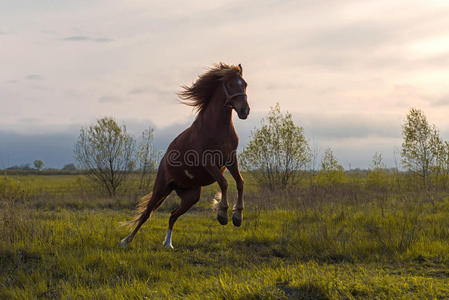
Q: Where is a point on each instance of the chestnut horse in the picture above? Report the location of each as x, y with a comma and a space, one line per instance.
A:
200, 155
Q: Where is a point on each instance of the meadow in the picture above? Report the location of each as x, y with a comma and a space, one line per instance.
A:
352, 236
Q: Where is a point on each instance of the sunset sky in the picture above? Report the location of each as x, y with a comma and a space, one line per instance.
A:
348, 71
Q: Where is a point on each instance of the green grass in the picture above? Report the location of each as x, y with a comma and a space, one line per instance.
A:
275, 254
346, 241
78, 192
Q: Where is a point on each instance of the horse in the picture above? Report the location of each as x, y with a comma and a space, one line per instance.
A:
200, 155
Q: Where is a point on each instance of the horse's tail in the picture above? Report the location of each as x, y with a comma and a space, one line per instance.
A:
144, 210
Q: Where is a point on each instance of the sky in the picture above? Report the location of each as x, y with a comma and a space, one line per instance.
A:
347, 70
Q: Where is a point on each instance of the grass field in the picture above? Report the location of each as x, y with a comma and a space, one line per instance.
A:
340, 249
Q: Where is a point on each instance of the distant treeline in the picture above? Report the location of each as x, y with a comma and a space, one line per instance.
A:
39, 165
47, 172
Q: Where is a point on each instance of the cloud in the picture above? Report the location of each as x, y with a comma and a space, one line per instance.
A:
77, 38
54, 149
371, 43
353, 36
344, 71
50, 32
351, 126
157, 89
434, 61
353, 138
442, 101
138, 91
334, 127
34, 77
30, 121
102, 40
109, 99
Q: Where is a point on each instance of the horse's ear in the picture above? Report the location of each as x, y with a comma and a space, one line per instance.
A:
240, 69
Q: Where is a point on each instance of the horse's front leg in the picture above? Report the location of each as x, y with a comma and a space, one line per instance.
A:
222, 206
237, 210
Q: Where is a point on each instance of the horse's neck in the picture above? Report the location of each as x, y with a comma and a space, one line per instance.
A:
216, 115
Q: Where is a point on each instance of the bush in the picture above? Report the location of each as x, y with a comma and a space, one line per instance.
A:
278, 150
331, 172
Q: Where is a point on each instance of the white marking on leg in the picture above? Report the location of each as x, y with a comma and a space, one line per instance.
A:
216, 201
188, 174
167, 242
124, 241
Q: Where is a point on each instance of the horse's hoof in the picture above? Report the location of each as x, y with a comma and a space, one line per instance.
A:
237, 219
222, 217
168, 246
124, 242
222, 220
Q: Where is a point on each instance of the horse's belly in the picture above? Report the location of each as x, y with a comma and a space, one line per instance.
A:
192, 176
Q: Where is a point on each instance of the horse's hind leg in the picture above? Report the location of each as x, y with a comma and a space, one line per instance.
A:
161, 190
188, 198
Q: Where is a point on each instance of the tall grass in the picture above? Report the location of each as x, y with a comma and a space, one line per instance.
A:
363, 236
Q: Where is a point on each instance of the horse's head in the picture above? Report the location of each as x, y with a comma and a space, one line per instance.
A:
235, 92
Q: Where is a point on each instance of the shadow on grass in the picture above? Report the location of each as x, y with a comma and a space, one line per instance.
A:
270, 249
18, 258
304, 291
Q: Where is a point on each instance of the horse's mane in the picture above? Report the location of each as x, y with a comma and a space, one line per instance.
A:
201, 91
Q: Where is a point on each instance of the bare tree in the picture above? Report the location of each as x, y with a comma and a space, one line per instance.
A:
146, 157
106, 150
277, 151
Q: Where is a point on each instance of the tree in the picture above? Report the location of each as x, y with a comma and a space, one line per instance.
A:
378, 181
377, 162
329, 162
443, 158
421, 144
377, 175
331, 171
20, 167
277, 151
106, 150
69, 167
146, 157
38, 164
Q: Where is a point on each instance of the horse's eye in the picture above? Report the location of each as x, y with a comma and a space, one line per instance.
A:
240, 82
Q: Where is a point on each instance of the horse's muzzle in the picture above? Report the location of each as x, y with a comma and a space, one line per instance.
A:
243, 113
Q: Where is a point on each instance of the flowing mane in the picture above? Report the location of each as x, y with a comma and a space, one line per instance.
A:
201, 91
